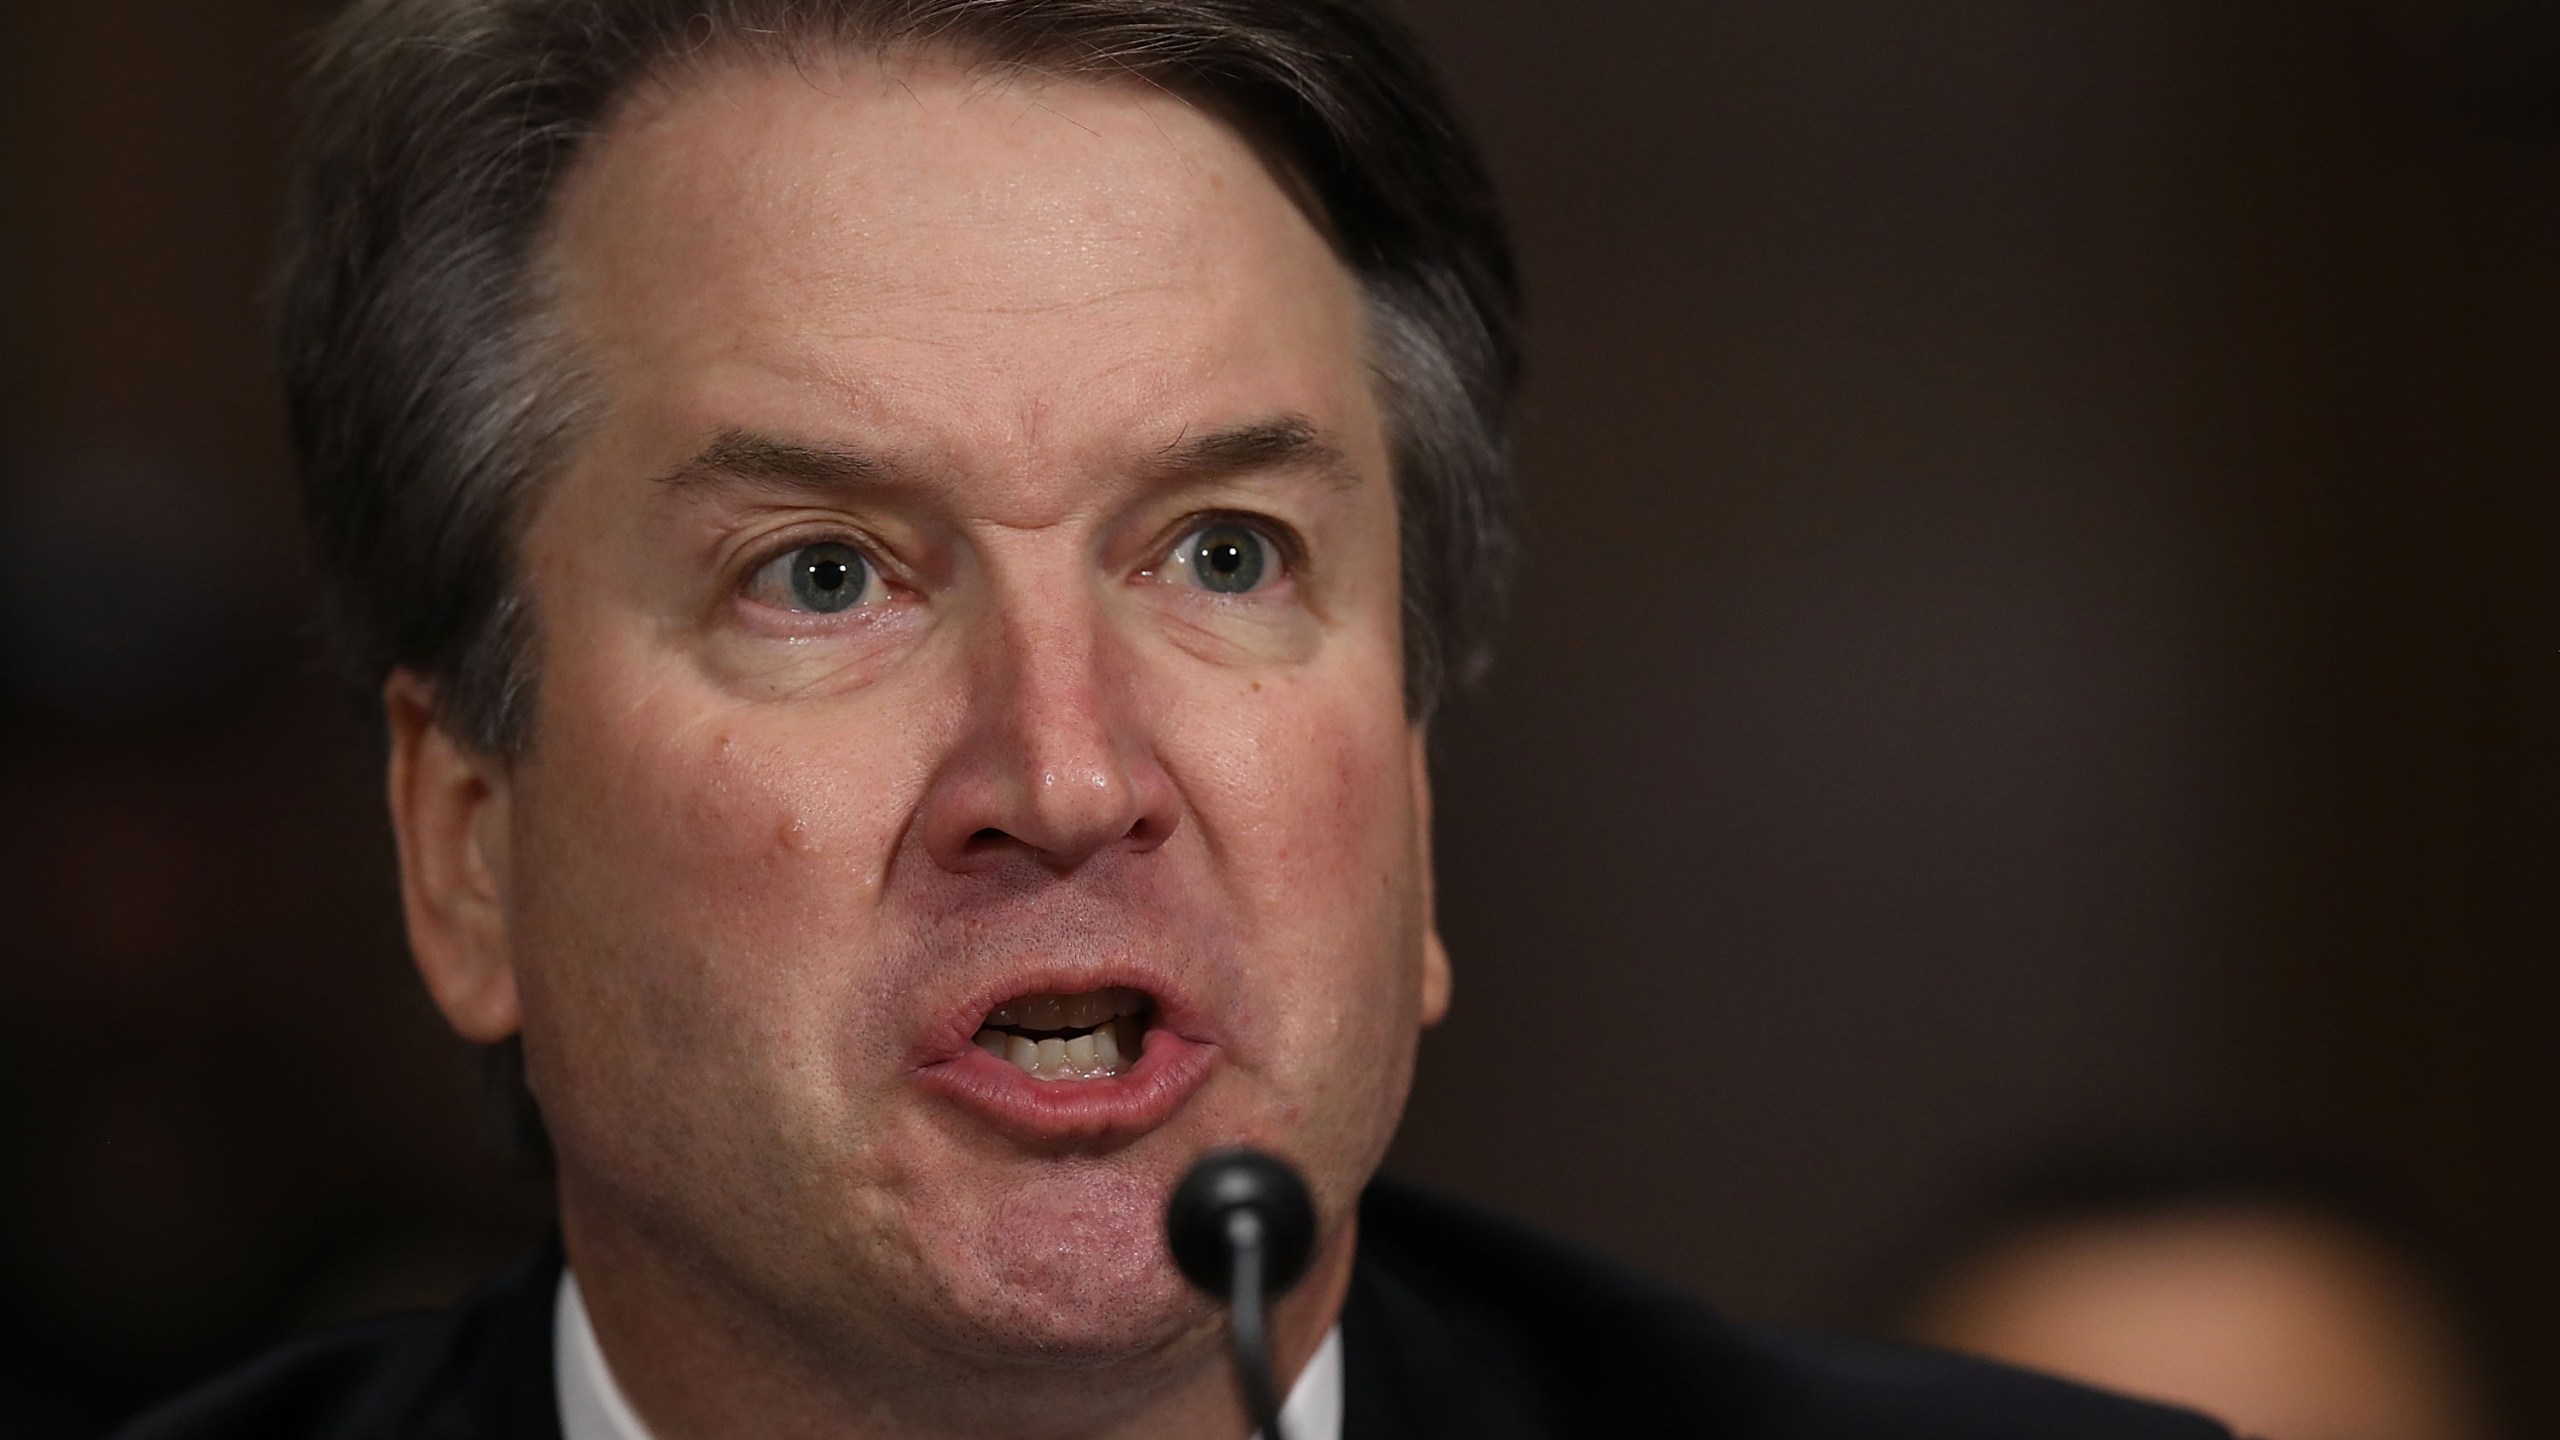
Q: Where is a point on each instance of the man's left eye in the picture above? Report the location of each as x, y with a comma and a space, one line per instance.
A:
1226, 557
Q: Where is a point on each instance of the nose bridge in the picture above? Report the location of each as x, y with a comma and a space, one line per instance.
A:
1055, 763
1051, 680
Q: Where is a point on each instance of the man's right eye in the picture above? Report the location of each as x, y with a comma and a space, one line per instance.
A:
819, 579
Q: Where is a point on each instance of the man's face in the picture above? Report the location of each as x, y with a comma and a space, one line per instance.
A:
970, 618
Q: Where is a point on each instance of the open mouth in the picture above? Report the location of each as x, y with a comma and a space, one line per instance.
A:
1069, 1037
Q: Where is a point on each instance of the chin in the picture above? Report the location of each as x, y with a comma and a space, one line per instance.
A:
1068, 1269
1082, 1328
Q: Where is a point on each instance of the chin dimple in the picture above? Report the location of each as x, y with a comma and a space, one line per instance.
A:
1068, 1037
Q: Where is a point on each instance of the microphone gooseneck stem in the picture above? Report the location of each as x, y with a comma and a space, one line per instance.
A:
1242, 1227
1246, 1322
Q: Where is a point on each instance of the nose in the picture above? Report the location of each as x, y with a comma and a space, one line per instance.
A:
1055, 764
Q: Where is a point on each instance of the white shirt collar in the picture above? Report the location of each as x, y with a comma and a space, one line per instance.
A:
592, 1406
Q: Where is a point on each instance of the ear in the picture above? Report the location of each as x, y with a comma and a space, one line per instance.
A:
1435, 956
449, 814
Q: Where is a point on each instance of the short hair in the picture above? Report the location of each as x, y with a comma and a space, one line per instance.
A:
428, 393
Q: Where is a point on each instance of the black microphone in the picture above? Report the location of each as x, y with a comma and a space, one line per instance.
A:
1242, 1229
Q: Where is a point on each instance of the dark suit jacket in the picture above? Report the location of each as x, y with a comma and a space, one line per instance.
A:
1459, 1326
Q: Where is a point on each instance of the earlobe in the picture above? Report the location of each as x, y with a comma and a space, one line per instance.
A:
449, 814
1435, 955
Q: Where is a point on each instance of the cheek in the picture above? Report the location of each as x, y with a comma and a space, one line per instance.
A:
1347, 913
696, 880
1293, 788
1307, 806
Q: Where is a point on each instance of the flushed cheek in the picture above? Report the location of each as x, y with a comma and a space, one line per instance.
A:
1308, 811
1310, 796
704, 898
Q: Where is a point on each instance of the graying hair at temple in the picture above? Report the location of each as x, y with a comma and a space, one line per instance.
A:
428, 393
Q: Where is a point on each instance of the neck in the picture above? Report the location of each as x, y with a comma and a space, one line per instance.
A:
698, 1358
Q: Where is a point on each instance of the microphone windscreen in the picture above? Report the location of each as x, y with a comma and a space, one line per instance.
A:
1218, 1185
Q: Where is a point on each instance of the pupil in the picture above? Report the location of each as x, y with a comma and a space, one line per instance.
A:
1228, 559
827, 578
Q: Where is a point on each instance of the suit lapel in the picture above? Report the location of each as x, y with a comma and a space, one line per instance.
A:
498, 1383
1409, 1371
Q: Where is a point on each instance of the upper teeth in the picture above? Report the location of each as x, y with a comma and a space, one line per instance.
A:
1107, 1033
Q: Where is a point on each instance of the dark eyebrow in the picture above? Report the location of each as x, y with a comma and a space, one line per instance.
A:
1286, 442
749, 456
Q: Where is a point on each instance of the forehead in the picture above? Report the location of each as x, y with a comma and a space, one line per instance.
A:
885, 237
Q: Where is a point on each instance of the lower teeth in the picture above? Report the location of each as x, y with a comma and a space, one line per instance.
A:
1108, 1049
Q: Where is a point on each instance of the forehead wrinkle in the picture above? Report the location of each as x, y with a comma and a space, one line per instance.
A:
1282, 443
1036, 309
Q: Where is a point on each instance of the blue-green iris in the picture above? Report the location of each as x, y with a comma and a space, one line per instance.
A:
1228, 558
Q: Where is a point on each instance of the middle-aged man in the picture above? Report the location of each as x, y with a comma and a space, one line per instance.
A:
907, 547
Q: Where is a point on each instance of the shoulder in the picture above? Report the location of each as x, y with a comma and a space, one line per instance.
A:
482, 1368
1462, 1322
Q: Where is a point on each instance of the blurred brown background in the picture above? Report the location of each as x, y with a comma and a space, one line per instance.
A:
2044, 621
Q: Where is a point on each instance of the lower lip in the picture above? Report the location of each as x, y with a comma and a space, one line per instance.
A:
1170, 1070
